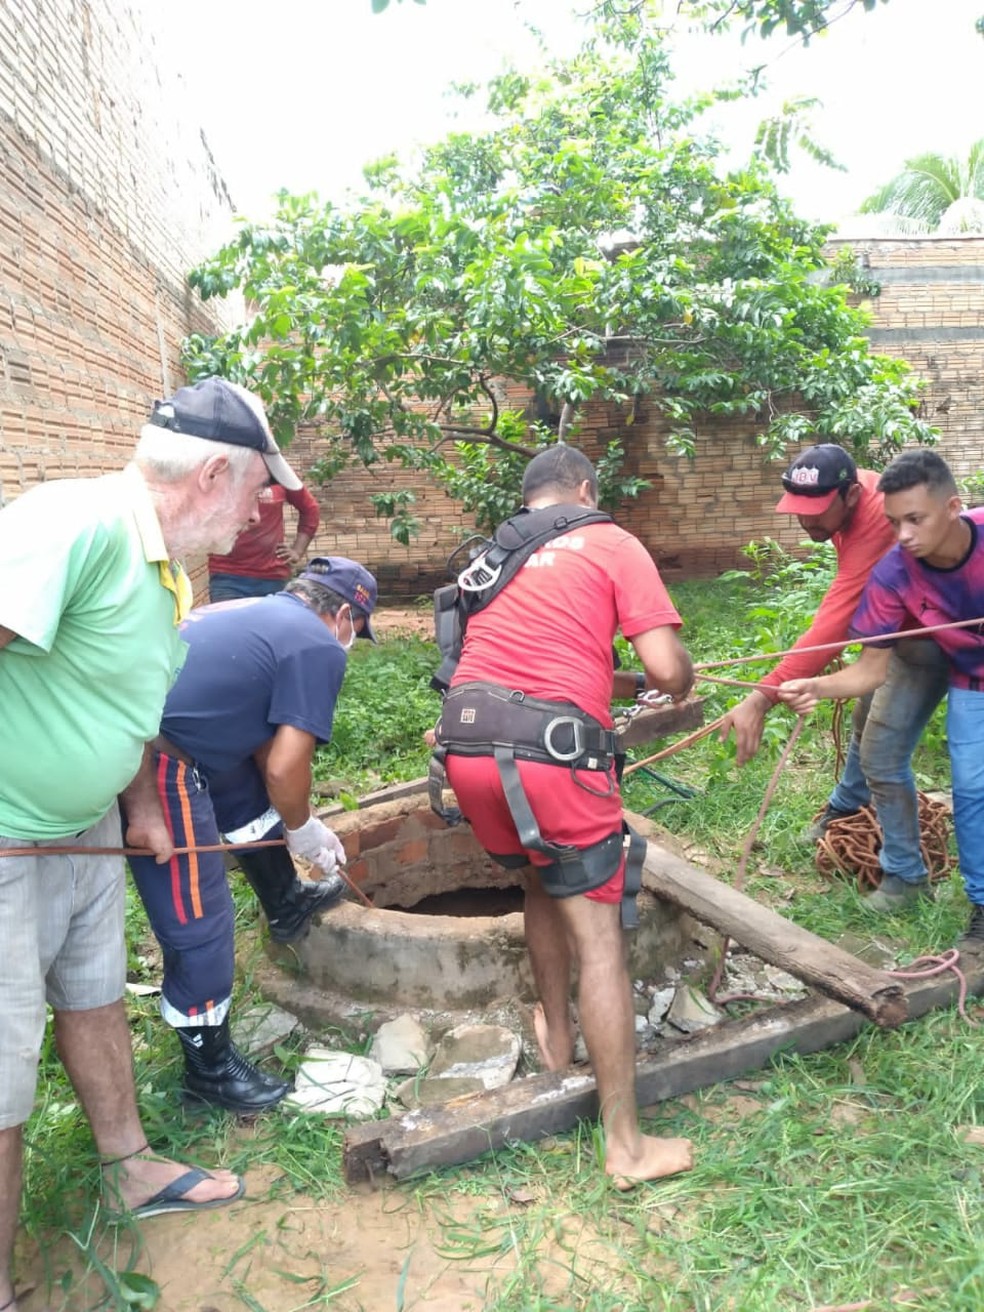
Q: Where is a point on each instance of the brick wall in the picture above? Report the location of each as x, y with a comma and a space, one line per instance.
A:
931, 312
107, 196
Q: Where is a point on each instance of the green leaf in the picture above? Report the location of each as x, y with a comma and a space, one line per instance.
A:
138, 1290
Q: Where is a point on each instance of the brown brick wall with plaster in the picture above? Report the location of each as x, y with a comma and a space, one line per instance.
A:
108, 194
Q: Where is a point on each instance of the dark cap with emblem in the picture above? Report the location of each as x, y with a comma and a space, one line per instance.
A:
815, 478
350, 580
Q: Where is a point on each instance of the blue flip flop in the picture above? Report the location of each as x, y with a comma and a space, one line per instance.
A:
172, 1198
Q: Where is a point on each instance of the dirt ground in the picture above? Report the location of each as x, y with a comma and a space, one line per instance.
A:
370, 1251
399, 621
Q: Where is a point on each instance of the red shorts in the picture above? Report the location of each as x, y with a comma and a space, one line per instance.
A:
568, 813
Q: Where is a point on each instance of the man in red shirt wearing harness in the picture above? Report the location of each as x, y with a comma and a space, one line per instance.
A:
547, 636
834, 501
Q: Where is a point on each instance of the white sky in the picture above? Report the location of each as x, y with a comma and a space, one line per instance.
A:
302, 93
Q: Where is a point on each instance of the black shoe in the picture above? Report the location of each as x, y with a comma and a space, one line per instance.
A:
216, 1072
972, 942
820, 823
301, 904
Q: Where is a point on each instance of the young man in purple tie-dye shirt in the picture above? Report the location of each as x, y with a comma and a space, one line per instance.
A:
934, 575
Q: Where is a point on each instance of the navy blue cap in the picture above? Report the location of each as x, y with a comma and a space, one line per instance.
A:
350, 580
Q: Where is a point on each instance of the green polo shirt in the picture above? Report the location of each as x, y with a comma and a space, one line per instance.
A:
86, 584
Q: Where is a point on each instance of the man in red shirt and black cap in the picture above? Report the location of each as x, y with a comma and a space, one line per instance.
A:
836, 502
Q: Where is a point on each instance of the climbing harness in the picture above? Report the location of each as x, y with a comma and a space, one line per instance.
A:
484, 719
492, 563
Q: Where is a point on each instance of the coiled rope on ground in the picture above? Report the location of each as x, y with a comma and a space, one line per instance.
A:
850, 844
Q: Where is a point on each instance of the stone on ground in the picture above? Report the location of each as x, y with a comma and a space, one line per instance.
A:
401, 1046
488, 1053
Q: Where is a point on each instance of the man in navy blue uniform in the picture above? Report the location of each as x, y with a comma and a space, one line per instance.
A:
255, 698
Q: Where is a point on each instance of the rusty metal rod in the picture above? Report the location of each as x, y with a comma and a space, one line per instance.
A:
67, 850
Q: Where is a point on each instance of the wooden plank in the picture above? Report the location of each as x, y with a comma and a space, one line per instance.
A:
772, 937
540, 1105
662, 721
390, 794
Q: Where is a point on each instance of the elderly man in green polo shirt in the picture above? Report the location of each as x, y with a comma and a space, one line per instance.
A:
91, 598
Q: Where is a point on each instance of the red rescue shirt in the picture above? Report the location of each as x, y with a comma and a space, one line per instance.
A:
859, 548
549, 632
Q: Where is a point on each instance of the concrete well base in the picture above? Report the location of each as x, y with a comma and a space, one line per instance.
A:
388, 959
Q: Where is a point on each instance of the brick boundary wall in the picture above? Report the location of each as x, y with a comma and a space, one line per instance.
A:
108, 194
107, 197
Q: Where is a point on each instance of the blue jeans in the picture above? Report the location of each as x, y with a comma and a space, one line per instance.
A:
887, 726
228, 587
965, 734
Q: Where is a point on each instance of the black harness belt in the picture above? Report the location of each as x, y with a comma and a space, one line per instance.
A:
484, 719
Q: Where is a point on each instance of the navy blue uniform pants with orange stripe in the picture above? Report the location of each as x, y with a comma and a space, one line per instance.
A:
188, 902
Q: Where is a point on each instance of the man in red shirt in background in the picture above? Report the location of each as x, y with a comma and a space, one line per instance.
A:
261, 562
835, 501
547, 635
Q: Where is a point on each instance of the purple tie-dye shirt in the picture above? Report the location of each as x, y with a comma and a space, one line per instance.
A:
902, 589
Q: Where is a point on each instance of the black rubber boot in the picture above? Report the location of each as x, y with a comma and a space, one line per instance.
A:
289, 902
216, 1072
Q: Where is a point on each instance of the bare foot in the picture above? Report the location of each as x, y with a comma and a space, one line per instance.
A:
132, 1181
556, 1049
653, 1160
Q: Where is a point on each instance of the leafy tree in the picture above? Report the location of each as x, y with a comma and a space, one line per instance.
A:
803, 18
934, 193
585, 246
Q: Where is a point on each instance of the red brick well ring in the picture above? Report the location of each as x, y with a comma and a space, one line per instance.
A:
390, 959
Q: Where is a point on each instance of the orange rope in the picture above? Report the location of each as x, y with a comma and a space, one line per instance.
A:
678, 746
43, 850
746, 852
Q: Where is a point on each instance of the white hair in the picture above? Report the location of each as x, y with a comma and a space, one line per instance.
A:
171, 456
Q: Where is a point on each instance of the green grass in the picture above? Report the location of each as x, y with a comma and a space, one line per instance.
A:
822, 1180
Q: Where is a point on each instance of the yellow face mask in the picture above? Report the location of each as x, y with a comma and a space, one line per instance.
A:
177, 582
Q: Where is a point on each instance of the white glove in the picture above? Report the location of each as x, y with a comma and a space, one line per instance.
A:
316, 843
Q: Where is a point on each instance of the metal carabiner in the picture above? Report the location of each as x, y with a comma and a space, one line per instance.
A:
478, 576
578, 738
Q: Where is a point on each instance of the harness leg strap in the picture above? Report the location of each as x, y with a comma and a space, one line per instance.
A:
635, 855
521, 811
436, 781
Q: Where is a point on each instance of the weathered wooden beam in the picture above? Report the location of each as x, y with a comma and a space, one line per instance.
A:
391, 793
540, 1105
772, 937
661, 721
